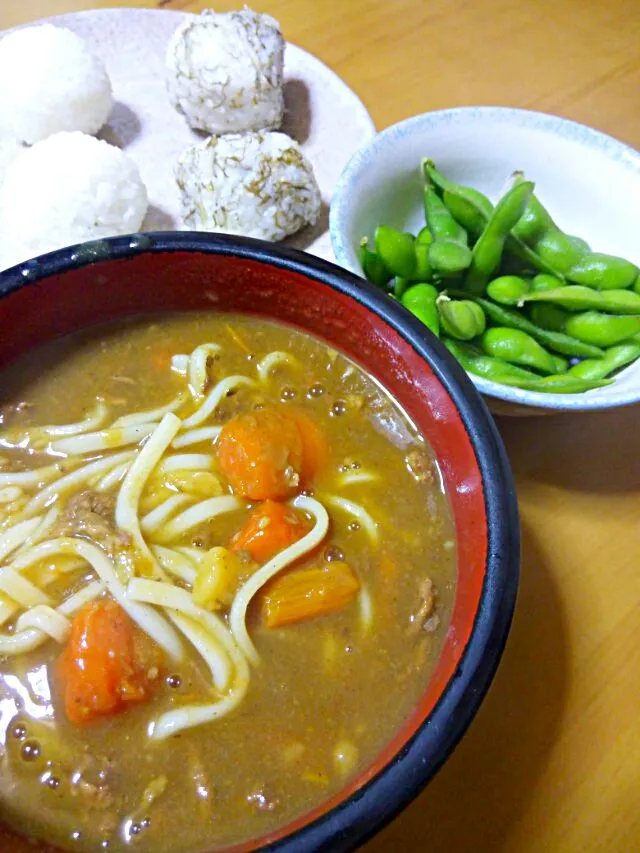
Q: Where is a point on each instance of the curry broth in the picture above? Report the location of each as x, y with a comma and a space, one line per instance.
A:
329, 693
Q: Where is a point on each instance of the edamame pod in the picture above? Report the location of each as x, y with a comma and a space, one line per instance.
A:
478, 199
557, 250
420, 299
448, 258
604, 272
549, 316
489, 247
424, 237
373, 266
400, 285
561, 364
543, 282
441, 223
465, 212
613, 359
557, 341
537, 229
562, 384
460, 318
518, 348
422, 270
579, 244
484, 365
396, 250
508, 289
576, 297
602, 330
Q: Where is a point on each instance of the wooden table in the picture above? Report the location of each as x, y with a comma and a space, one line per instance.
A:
552, 762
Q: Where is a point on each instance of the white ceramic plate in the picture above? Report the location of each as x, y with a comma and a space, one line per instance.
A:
322, 113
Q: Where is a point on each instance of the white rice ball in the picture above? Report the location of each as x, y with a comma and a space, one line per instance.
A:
255, 184
10, 147
49, 82
224, 71
67, 189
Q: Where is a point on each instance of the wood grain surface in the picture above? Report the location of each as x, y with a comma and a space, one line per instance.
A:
552, 761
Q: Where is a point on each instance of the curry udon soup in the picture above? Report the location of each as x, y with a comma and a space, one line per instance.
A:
227, 567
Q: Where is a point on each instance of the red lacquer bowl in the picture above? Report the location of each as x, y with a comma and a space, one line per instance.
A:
75, 288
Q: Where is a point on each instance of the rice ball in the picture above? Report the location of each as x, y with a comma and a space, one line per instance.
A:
10, 147
224, 71
258, 184
49, 82
64, 190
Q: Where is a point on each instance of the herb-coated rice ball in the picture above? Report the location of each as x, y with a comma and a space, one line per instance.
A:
224, 71
258, 184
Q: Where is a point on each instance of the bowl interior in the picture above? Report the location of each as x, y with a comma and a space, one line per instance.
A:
588, 181
435, 394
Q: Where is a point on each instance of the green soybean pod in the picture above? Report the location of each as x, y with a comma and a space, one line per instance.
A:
484, 365
400, 285
557, 250
602, 330
448, 258
561, 364
577, 297
471, 194
461, 319
543, 282
422, 270
420, 299
373, 266
636, 285
603, 272
614, 358
424, 237
466, 212
508, 289
579, 244
396, 248
557, 341
487, 252
562, 384
441, 223
549, 316
518, 348
535, 219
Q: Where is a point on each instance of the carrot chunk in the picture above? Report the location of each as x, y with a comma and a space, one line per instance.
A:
270, 528
270, 453
315, 450
306, 593
106, 664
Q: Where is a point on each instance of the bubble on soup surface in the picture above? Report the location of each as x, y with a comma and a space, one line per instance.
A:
333, 553
19, 731
345, 757
30, 750
316, 391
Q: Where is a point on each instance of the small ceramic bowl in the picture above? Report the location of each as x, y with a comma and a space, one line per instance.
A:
590, 183
79, 287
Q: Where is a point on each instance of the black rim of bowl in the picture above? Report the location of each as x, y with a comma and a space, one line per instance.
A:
367, 810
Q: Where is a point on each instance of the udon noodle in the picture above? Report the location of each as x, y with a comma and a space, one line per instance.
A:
151, 575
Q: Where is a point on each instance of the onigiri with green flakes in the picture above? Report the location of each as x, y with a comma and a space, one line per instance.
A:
50, 81
258, 184
225, 71
64, 190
